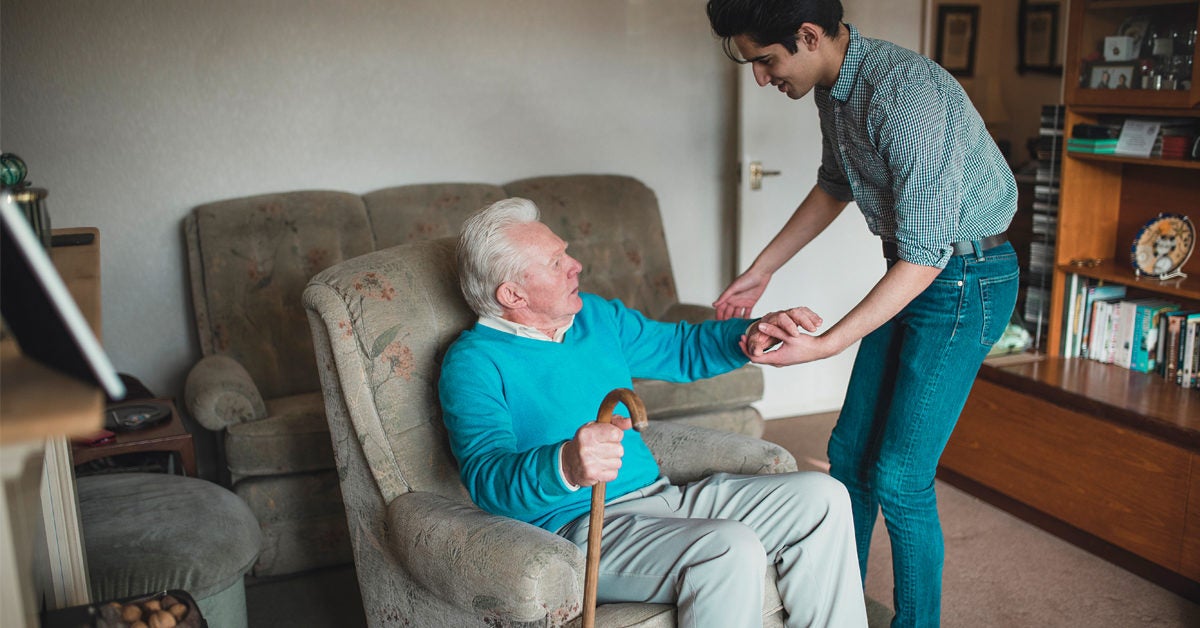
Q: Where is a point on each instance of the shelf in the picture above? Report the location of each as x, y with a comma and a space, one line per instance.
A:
1139, 401
1101, 5
1111, 272
1136, 108
1157, 162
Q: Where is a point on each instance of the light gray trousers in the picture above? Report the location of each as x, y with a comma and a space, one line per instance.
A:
705, 547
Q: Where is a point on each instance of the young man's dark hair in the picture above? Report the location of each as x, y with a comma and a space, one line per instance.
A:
770, 21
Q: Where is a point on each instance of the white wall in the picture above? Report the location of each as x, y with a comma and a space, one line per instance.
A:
131, 112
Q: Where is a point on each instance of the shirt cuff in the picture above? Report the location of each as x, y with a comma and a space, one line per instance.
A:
562, 475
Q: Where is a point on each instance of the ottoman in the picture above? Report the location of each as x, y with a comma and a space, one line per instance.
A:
150, 532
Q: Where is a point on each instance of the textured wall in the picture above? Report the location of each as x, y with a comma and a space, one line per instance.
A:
133, 111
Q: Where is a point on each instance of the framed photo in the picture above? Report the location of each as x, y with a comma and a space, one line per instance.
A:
1118, 75
957, 34
1037, 38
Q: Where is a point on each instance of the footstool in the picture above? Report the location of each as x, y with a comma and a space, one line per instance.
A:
149, 532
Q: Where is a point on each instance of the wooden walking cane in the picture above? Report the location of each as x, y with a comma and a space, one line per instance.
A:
592, 574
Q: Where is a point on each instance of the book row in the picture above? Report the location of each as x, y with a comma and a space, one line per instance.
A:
1147, 335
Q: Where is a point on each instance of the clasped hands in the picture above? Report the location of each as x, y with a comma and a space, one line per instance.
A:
777, 340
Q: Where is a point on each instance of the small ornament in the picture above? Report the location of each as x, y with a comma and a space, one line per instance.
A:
12, 170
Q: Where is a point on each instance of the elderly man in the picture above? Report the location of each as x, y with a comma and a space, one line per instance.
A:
519, 391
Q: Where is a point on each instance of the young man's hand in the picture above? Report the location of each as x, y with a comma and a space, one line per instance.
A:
776, 328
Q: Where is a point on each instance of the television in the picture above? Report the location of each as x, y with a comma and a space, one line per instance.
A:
39, 311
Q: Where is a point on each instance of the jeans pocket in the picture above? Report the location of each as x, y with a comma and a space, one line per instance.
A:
999, 295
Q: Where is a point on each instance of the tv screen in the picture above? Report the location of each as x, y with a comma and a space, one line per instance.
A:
40, 312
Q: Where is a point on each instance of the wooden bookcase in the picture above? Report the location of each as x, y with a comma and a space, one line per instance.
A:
1104, 456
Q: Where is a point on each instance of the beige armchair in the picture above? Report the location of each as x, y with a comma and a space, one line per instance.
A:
424, 553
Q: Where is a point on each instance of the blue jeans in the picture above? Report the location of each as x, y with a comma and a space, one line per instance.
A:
909, 384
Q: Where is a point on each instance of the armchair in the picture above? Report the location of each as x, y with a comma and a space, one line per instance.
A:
423, 552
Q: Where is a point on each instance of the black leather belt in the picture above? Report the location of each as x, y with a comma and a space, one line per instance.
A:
965, 247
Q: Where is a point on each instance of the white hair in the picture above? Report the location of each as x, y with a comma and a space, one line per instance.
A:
487, 256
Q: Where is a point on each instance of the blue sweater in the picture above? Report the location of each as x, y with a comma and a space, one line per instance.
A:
509, 402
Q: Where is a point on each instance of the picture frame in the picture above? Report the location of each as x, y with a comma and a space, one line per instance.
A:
957, 38
1037, 38
1111, 75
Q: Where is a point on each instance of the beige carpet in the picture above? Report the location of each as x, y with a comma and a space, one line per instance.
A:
1001, 571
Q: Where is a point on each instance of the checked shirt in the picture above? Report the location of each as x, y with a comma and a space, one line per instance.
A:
901, 137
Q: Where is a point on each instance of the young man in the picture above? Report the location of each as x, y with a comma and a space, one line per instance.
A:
520, 391
900, 137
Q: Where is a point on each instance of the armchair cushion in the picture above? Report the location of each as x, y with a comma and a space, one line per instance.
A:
292, 441
735, 389
686, 453
291, 438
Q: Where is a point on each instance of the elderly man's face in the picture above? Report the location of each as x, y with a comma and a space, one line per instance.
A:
550, 283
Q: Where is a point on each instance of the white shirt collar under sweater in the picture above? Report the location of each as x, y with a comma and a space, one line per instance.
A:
524, 331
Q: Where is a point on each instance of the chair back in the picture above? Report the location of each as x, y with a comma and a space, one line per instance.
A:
389, 317
249, 260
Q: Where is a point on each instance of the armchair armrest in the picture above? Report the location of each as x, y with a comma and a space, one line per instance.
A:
686, 453
689, 312
219, 393
500, 568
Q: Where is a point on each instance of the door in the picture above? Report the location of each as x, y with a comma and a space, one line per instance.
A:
836, 270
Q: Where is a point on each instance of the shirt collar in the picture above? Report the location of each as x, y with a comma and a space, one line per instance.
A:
850, 65
524, 331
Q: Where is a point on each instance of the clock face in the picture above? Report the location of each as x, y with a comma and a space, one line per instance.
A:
1163, 245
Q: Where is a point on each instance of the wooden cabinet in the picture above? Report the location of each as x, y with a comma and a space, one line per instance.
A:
1112, 454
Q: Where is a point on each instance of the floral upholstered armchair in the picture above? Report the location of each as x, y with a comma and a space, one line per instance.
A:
424, 553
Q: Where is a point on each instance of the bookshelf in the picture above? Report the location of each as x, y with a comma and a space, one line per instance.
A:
1109, 457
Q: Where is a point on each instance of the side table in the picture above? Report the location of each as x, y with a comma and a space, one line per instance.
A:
168, 436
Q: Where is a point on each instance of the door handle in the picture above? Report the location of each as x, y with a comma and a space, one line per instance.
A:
757, 173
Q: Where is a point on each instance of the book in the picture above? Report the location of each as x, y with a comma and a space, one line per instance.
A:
1173, 329
1144, 355
1101, 336
1194, 327
1095, 293
1069, 338
1123, 339
1187, 353
1098, 147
